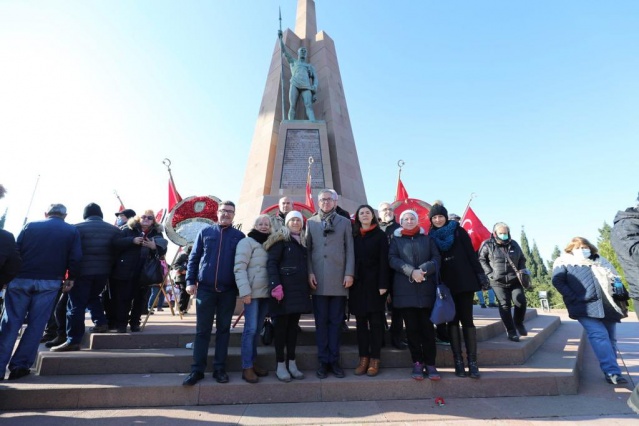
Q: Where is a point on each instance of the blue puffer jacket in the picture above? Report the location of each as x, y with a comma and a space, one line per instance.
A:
586, 287
213, 257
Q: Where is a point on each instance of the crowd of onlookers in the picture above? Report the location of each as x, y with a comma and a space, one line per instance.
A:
287, 265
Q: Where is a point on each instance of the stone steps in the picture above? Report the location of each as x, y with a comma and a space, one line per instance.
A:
550, 370
496, 351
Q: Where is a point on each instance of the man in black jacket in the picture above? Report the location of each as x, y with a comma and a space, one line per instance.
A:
624, 238
97, 248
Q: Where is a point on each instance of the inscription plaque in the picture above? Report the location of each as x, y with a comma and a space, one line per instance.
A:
299, 145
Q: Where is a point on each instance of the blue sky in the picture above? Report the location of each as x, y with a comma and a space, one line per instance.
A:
531, 105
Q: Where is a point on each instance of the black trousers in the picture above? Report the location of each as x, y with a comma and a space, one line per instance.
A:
370, 332
285, 328
130, 298
464, 309
513, 293
421, 335
57, 323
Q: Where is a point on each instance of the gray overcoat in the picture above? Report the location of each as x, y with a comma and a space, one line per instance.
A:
330, 257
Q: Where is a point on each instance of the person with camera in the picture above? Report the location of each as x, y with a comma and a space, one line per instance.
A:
497, 255
586, 281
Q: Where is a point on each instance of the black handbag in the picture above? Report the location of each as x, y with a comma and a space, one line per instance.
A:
152, 272
523, 275
268, 330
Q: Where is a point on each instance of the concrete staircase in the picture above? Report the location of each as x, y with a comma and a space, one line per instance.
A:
147, 369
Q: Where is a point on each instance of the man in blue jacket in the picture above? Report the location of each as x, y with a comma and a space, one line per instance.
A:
49, 249
97, 238
210, 274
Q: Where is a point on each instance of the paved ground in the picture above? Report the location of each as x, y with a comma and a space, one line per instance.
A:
597, 403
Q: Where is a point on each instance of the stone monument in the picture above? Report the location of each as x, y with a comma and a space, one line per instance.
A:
278, 160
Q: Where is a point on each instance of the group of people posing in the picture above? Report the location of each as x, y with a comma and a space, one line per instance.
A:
286, 268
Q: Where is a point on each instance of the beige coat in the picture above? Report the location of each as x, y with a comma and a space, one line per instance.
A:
330, 257
250, 271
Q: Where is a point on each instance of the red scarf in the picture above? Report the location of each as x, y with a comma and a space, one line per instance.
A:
410, 233
363, 231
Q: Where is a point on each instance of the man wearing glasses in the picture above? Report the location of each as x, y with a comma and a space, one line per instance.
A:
210, 276
331, 267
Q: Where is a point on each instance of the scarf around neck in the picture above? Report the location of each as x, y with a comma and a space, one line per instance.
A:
411, 232
258, 236
363, 231
445, 236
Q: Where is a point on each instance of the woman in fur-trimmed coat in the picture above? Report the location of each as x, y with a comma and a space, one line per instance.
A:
288, 284
140, 239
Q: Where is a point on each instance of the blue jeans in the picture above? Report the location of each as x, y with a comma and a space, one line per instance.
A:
85, 294
212, 304
491, 297
329, 314
254, 314
154, 292
33, 300
601, 335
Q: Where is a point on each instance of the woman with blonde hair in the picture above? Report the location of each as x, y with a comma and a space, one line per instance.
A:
140, 239
585, 280
252, 282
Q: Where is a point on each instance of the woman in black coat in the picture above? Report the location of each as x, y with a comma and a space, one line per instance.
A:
288, 282
494, 255
367, 295
463, 274
140, 239
415, 258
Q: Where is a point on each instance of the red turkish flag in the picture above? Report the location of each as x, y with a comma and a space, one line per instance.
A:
420, 207
476, 230
309, 193
401, 193
174, 196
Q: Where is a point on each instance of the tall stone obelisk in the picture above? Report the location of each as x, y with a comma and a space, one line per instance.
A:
278, 160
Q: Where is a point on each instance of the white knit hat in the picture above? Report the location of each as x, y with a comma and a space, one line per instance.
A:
293, 213
405, 212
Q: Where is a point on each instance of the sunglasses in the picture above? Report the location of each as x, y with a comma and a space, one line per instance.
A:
147, 217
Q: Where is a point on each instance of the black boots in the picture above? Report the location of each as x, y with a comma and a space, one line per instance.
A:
470, 339
455, 346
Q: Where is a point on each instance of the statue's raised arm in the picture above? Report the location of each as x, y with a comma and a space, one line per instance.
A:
287, 55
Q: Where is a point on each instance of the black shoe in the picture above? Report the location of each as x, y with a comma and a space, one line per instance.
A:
616, 379
513, 336
47, 337
66, 347
220, 376
521, 329
322, 371
56, 342
99, 329
493, 305
121, 329
399, 344
193, 378
135, 328
337, 370
18, 373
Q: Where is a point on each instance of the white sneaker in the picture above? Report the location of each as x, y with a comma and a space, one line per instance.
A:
295, 372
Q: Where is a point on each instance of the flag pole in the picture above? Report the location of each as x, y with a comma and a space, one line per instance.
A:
281, 67
472, 195
400, 164
118, 197
31, 202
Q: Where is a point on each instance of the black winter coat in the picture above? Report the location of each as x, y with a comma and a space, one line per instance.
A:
131, 257
98, 246
460, 265
492, 257
287, 265
180, 266
10, 259
625, 240
405, 255
371, 273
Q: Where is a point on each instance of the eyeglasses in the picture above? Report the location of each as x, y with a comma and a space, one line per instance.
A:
146, 217
326, 200
226, 211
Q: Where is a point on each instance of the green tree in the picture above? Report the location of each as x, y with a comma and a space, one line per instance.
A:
555, 254
540, 277
3, 218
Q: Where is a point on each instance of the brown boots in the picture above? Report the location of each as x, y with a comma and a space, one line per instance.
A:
363, 366
248, 374
370, 366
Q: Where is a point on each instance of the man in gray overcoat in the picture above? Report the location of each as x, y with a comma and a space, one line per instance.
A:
331, 268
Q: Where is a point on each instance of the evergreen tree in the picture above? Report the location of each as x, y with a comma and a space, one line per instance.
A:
3, 218
555, 254
540, 278
605, 250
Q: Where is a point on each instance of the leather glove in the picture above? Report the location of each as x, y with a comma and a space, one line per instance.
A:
278, 292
